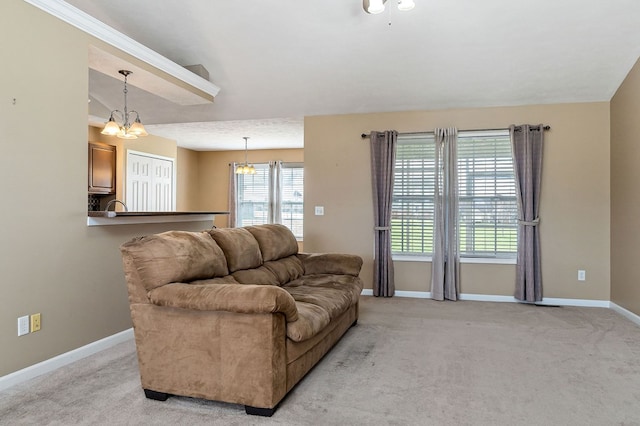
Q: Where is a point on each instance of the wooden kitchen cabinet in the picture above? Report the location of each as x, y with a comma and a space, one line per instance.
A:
102, 168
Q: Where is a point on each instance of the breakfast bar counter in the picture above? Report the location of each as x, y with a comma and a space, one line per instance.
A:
102, 218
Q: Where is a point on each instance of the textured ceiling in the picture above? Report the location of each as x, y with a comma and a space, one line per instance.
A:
227, 135
291, 58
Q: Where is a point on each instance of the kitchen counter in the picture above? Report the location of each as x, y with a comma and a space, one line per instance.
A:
101, 218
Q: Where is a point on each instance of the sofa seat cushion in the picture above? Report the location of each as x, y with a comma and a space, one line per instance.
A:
312, 319
347, 284
321, 300
334, 301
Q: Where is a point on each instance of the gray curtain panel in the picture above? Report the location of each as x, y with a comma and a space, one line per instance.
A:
445, 267
383, 158
526, 143
275, 196
233, 195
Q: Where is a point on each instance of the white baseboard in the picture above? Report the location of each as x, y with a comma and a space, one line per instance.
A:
496, 298
587, 303
61, 360
547, 301
412, 294
626, 313
100, 345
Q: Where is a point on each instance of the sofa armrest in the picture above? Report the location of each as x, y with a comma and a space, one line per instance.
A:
239, 298
331, 263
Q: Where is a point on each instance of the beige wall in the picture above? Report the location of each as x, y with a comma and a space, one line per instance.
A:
213, 175
187, 180
625, 196
51, 262
574, 206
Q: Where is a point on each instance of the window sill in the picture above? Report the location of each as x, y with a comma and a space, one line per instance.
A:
486, 260
405, 258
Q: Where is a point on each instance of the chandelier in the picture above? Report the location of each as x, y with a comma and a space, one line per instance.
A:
245, 169
377, 6
126, 130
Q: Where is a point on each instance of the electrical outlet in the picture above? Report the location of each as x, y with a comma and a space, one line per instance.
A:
35, 322
23, 325
319, 210
582, 275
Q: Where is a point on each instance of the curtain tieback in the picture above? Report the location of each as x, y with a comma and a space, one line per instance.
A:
534, 222
382, 228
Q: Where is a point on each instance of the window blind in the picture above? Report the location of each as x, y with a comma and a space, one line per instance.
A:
292, 194
412, 202
487, 204
253, 197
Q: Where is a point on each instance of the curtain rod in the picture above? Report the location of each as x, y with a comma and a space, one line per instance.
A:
518, 129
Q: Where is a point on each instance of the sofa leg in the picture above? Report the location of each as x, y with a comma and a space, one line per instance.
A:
158, 396
355, 323
255, 411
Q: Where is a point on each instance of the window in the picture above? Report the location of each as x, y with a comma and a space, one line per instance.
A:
487, 199
275, 194
292, 204
253, 197
413, 189
487, 195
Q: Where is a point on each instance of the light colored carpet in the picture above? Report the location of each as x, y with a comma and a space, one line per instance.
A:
407, 362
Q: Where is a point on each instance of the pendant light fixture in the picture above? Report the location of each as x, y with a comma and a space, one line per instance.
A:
126, 130
377, 6
405, 5
245, 169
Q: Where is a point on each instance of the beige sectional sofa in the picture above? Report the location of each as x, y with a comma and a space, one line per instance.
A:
235, 314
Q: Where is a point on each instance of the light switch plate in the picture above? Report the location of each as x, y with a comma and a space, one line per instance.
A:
319, 210
23, 325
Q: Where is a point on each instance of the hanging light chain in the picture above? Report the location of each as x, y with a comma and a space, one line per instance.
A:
125, 91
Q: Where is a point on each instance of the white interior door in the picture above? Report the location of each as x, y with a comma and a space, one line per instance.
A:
149, 182
162, 185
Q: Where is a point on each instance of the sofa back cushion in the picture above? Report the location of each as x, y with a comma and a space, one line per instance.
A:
175, 256
276, 241
286, 269
240, 248
260, 275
